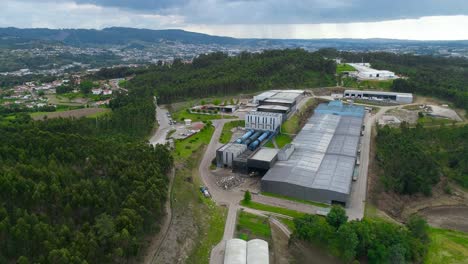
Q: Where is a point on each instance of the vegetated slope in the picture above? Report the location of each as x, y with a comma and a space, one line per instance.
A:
217, 74
370, 240
413, 159
69, 198
81, 190
444, 78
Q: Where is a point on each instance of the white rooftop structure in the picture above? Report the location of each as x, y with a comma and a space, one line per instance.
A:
257, 252
239, 251
365, 72
278, 95
236, 252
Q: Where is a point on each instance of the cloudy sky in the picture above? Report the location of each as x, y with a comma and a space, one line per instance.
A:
402, 19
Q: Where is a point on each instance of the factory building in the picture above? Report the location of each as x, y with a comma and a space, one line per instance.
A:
264, 121
322, 163
285, 98
238, 251
402, 98
263, 159
227, 153
365, 72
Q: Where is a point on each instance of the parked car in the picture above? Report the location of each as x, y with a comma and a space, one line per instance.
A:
205, 192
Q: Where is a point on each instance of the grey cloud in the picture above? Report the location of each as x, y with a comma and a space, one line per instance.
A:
285, 11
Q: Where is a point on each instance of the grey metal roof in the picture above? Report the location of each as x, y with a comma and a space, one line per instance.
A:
324, 156
274, 107
265, 154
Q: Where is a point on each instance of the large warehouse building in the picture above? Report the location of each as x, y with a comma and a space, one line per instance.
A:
365, 72
401, 98
322, 164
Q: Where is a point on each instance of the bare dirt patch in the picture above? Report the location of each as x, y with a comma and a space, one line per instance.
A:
306, 253
404, 115
328, 91
449, 217
72, 113
280, 246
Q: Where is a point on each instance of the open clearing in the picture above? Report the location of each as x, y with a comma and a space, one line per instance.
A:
447, 247
90, 112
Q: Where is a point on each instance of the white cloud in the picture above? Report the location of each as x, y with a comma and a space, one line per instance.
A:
59, 14
425, 28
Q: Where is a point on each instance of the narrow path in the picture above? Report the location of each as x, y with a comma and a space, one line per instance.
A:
155, 244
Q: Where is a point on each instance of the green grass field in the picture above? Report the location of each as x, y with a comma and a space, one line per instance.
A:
59, 108
105, 112
281, 140
288, 222
344, 67
432, 121
273, 209
291, 126
226, 134
184, 148
447, 247
250, 226
368, 84
295, 200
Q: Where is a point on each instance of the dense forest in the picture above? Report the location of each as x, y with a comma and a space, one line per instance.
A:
445, 78
375, 241
81, 190
413, 159
217, 74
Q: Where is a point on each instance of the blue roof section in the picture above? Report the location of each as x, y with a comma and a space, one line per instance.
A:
337, 107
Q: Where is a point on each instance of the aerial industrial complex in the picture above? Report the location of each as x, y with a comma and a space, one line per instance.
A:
272, 109
320, 163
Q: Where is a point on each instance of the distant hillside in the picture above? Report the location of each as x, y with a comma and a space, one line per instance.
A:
120, 36
114, 36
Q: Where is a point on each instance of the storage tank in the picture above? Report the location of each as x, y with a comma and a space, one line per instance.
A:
257, 142
236, 252
244, 137
253, 138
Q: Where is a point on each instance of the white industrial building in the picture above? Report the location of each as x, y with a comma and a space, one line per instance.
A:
227, 153
238, 251
365, 72
403, 98
265, 121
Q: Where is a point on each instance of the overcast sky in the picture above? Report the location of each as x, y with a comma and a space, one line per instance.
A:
402, 19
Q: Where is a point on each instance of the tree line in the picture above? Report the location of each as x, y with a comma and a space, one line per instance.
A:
217, 74
372, 240
414, 159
